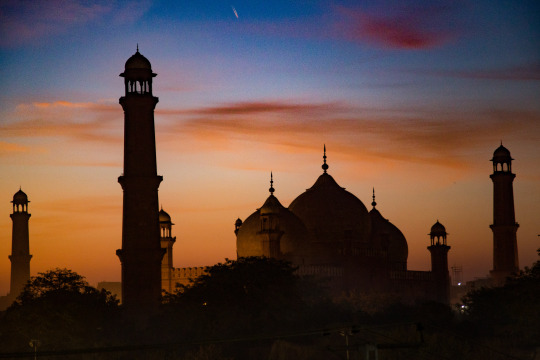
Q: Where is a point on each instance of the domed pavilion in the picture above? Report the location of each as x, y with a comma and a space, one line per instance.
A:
328, 232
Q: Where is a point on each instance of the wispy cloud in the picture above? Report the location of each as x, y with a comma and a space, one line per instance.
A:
257, 107
414, 135
7, 148
25, 21
81, 121
82, 204
406, 27
428, 137
524, 72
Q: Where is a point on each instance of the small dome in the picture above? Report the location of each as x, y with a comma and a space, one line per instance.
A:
249, 239
20, 197
238, 222
438, 229
138, 61
164, 217
501, 155
388, 237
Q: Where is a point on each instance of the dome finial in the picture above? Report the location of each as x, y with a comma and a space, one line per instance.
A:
374, 203
137, 47
325, 165
271, 184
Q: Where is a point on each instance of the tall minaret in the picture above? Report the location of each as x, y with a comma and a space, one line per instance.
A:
167, 242
20, 247
141, 251
504, 227
439, 262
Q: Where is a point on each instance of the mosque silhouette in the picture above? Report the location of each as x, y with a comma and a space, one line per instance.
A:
326, 231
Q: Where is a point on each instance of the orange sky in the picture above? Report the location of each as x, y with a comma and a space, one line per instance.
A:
214, 174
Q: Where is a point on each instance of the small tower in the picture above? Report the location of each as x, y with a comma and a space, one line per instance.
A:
439, 262
141, 251
167, 242
20, 244
237, 226
270, 230
504, 227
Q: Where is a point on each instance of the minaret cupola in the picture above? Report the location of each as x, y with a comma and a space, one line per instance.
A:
502, 161
20, 202
138, 75
438, 234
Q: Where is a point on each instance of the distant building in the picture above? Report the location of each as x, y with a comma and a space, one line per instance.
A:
20, 248
328, 232
171, 276
20, 244
114, 287
504, 227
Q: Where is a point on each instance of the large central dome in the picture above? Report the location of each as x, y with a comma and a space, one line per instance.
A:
332, 214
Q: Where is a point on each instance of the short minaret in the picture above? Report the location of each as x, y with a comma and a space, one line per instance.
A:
167, 242
20, 244
237, 226
439, 262
141, 251
270, 229
504, 227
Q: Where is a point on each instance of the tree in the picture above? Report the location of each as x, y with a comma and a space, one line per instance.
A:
60, 281
509, 314
59, 308
250, 297
252, 290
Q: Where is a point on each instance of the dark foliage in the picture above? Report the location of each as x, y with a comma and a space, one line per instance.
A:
62, 311
251, 297
508, 312
260, 308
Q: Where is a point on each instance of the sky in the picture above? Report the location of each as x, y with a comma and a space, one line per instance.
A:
410, 98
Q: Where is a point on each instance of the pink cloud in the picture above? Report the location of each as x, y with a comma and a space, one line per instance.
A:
426, 138
407, 26
411, 27
257, 107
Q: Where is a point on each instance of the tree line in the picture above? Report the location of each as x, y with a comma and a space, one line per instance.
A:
259, 308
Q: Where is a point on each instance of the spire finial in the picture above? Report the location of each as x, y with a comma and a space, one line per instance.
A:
271, 184
137, 47
373, 203
325, 165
